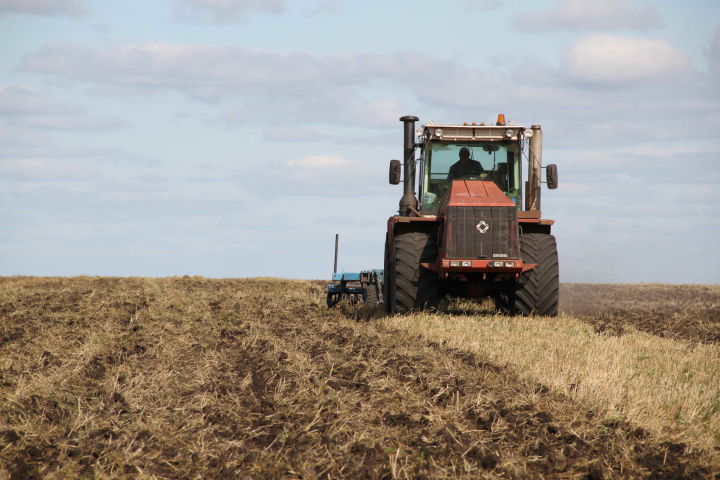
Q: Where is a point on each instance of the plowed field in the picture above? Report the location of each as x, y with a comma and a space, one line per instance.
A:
197, 378
690, 312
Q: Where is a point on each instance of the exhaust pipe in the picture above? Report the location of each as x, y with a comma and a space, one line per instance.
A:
532, 197
408, 202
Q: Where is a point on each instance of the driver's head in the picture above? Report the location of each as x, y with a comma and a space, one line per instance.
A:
464, 154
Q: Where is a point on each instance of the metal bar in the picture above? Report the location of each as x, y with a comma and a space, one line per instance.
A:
337, 237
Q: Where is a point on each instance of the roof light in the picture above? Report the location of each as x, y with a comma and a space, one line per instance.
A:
528, 132
438, 132
509, 133
500, 119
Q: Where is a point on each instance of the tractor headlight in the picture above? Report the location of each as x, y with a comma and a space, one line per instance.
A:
454, 263
466, 263
509, 264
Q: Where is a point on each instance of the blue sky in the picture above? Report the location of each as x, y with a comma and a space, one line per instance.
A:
234, 138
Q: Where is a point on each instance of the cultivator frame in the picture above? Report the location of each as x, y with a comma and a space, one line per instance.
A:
365, 286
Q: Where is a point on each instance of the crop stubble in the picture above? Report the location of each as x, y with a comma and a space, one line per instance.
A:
197, 378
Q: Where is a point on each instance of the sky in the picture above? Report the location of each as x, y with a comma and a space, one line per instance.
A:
235, 138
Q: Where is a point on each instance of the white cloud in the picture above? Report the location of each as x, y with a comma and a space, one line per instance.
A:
45, 169
259, 88
318, 161
707, 194
685, 150
591, 14
226, 10
339, 107
328, 7
21, 138
322, 176
211, 73
335, 136
22, 106
204, 72
263, 85
42, 7
615, 59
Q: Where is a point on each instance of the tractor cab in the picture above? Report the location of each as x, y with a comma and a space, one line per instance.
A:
495, 154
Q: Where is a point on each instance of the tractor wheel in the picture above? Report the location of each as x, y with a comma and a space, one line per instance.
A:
537, 291
411, 286
387, 282
371, 295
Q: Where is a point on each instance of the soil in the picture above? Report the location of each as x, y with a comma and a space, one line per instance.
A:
197, 378
690, 312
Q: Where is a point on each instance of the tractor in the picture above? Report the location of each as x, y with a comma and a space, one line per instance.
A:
473, 231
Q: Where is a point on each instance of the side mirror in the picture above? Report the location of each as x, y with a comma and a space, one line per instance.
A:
394, 172
552, 176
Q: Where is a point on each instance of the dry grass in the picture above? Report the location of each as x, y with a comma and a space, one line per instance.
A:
196, 378
669, 387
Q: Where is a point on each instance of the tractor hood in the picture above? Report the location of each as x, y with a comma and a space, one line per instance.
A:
477, 193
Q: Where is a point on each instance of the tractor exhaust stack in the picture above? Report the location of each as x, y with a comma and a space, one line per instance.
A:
408, 202
532, 195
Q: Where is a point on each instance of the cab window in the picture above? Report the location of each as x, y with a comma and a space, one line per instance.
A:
499, 163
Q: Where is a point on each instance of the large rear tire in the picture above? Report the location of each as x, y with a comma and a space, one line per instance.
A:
537, 292
411, 286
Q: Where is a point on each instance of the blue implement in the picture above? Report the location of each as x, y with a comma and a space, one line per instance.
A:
366, 285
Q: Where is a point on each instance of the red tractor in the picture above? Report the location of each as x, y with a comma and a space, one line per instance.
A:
471, 233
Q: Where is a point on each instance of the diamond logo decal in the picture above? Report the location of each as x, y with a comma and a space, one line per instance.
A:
482, 227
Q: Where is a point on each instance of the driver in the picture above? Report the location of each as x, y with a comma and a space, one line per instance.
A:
464, 167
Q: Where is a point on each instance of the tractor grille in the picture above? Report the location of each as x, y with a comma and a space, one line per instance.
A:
482, 233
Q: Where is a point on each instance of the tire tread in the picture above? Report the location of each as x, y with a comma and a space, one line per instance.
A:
415, 287
537, 291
